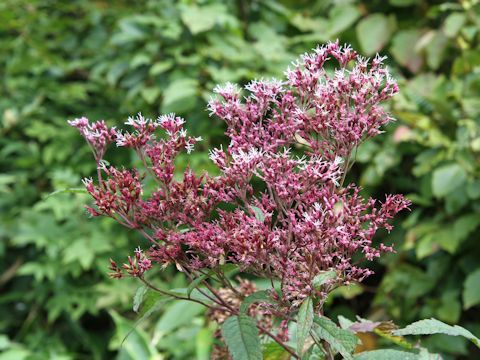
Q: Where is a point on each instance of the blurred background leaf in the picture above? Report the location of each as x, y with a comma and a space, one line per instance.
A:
108, 60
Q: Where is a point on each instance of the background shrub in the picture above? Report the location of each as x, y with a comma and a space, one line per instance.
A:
60, 60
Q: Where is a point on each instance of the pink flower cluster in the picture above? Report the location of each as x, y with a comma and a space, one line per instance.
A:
289, 216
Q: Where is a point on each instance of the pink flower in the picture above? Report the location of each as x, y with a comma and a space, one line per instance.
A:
279, 208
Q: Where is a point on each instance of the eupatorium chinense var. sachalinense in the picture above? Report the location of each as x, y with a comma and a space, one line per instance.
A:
296, 138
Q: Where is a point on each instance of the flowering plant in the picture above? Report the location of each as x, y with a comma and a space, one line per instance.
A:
279, 210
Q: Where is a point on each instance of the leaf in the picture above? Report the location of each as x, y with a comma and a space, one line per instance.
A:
343, 341
305, 322
241, 336
435, 49
434, 326
180, 95
195, 283
152, 301
203, 343
341, 18
69, 191
373, 33
199, 19
453, 23
138, 298
135, 342
258, 296
178, 314
471, 290
259, 215
389, 354
273, 351
150, 94
446, 178
323, 277
404, 51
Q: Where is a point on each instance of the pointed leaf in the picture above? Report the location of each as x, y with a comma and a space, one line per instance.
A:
341, 340
471, 290
138, 298
241, 336
305, 322
386, 354
434, 326
195, 283
259, 296
323, 277
69, 191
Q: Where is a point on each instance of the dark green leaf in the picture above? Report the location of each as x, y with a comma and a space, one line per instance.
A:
259, 296
242, 339
471, 290
343, 341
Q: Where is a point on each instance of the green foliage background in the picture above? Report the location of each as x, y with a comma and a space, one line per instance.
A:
110, 59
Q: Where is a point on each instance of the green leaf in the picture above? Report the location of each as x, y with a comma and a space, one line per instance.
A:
446, 178
435, 49
342, 17
373, 33
199, 19
389, 354
69, 191
404, 51
471, 289
180, 95
178, 314
323, 277
259, 215
135, 342
241, 336
152, 301
403, 3
138, 298
150, 94
195, 283
304, 325
434, 326
258, 296
273, 351
203, 343
343, 341
453, 23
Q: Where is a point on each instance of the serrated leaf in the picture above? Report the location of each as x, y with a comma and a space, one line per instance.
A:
471, 290
389, 354
258, 296
434, 326
343, 341
241, 336
323, 277
304, 325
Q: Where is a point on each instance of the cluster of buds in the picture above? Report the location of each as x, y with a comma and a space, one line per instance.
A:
290, 216
135, 267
